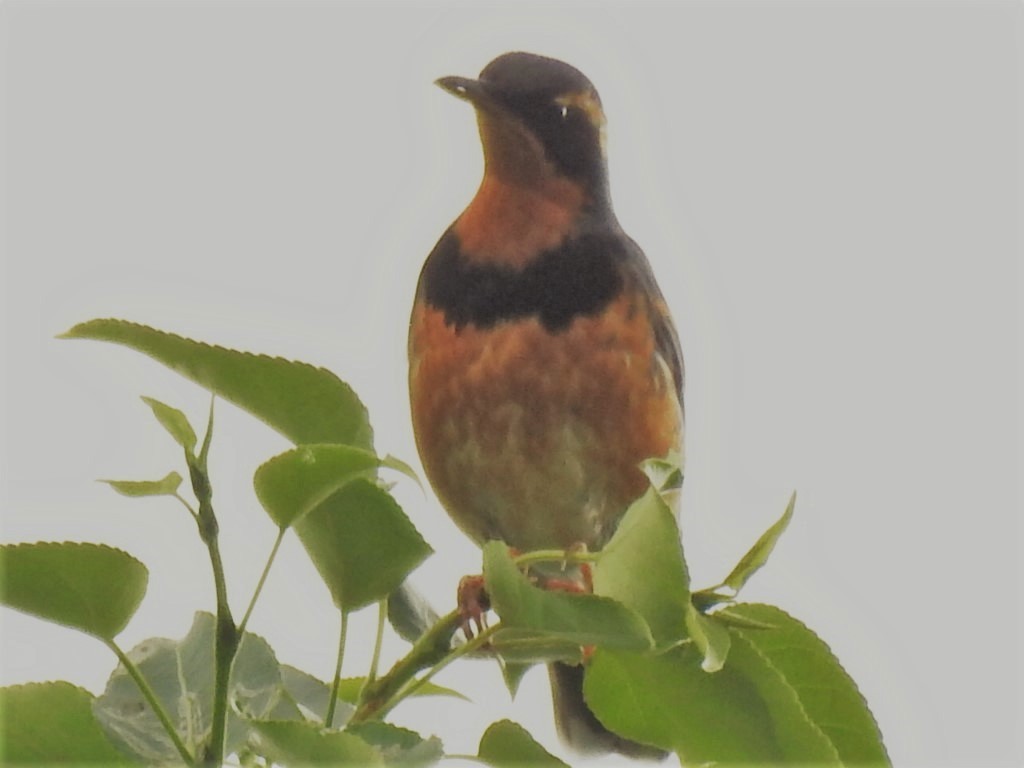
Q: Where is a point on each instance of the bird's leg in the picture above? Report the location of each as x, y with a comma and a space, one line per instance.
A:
473, 604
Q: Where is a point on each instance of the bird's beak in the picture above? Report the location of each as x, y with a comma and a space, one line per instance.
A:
476, 92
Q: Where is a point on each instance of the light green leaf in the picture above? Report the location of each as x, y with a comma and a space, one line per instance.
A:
50, 724
292, 483
665, 474
726, 617
761, 551
91, 587
745, 713
166, 486
827, 694
396, 464
643, 567
349, 688
181, 674
310, 695
303, 403
175, 422
712, 639
302, 743
399, 746
577, 618
508, 745
362, 544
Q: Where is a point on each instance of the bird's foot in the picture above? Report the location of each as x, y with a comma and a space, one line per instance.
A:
473, 604
583, 583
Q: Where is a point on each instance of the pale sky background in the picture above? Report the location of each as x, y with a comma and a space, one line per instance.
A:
828, 195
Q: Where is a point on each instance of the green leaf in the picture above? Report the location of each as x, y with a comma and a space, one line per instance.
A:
666, 475
303, 403
309, 694
760, 552
301, 743
828, 695
350, 687
294, 482
577, 618
399, 746
396, 464
711, 638
642, 566
362, 544
513, 672
166, 486
508, 745
181, 674
91, 587
744, 713
738, 621
52, 723
409, 613
175, 422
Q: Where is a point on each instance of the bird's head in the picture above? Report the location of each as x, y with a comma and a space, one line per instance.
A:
539, 118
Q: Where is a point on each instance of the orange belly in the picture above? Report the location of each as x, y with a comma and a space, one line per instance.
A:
534, 437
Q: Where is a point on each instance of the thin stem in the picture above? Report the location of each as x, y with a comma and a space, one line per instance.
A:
556, 556
262, 581
189, 507
154, 702
375, 659
432, 646
336, 685
467, 648
226, 637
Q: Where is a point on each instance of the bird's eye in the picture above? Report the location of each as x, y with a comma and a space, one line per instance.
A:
563, 110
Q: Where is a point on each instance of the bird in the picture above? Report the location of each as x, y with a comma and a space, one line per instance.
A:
544, 365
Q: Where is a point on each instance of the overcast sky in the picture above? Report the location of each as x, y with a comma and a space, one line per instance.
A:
826, 194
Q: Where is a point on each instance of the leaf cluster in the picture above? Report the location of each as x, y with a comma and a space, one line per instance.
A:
692, 672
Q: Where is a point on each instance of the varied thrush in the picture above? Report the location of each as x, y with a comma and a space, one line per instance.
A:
543, 363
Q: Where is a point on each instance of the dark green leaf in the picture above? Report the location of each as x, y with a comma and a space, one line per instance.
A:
303, 403
744, 713
399, 746
760, 552
512, 673
409, 613
291, 742
90, 587
181, 674
52, 723
827, 693
577, 618
362, 544
166, 486
643, 567
175, 422
508, 745
292, 483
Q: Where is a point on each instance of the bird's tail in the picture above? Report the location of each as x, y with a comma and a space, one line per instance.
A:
578, 726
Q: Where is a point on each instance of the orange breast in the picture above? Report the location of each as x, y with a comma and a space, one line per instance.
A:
534, 437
